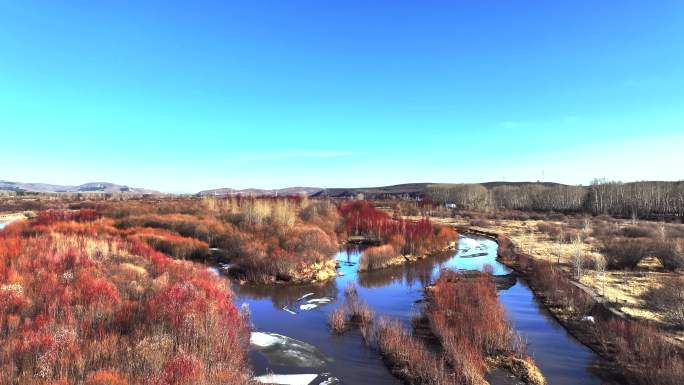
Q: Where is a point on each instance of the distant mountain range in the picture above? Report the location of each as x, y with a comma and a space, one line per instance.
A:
261, 192
92, 187
411, 190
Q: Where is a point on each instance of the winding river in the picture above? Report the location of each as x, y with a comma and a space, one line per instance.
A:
292, 337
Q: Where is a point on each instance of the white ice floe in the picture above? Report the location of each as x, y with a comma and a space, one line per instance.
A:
264, 339
225, 266
287, 309
298, 379
314, 303
287, 379
469, 243
329, 380
304, 296
283, 350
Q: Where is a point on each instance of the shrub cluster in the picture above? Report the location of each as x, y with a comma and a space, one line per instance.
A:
265, 239
624, 252
397, 236
668, 299
354, 311
464, 313
85, 303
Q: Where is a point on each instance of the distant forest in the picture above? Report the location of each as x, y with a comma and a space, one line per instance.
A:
634, 199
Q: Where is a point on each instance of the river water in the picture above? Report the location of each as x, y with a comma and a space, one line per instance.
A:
292, 336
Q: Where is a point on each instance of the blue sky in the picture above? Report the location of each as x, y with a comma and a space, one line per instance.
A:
186, 96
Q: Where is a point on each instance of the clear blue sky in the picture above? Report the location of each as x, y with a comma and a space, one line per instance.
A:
186, 96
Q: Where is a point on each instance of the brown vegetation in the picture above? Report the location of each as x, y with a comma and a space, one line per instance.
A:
354, 311
637, 199
641, 351
85, 303
265, 239
464, 313
412, 239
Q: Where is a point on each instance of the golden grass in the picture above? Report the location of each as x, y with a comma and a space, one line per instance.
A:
623, 289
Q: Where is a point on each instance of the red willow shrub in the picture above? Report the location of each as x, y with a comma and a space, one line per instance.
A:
172, 244
353, 311
377, 257
457, 309
51, 216
265, 239
78, 308
410, 360
407, 237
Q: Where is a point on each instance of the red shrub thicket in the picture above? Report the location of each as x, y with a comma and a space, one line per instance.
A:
458, 304
377, 257
264, 238
407, 236
101, 307
409, 359
171, 243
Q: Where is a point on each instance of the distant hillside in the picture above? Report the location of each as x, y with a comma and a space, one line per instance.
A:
92, 187
491, 185
261, 192
406, 190
411, 190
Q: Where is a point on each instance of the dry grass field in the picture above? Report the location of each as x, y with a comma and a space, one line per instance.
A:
626, 290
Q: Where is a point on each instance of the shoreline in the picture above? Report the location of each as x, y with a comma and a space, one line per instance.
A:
577, 329
410, 258
8, 218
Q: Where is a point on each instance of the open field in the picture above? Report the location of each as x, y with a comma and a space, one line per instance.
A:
626, 290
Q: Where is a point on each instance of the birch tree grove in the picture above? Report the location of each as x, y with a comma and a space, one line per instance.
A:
635, 199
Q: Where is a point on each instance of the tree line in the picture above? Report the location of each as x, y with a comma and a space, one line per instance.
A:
633, 199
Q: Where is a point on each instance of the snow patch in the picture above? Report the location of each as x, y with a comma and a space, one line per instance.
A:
287, 379
314, 303
287, 309
304, 296
264, 339
286, 351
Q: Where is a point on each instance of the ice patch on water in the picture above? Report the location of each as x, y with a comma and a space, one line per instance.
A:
287, 309
298, 379
283, 350
225, 266
264, 339
287, 379
470, 243
314, 303
304, 296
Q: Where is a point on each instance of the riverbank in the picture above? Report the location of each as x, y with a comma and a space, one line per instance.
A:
629, 347
306, 273
396, 293
453, 308
11, 217
384, 262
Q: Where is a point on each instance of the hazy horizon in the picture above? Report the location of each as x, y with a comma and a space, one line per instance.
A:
225, 94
